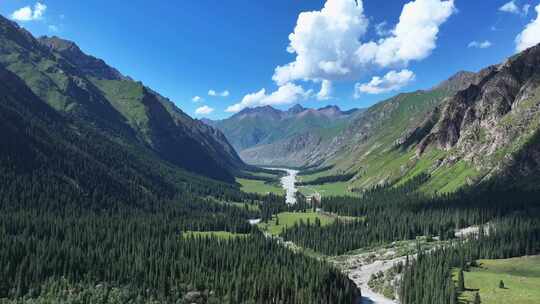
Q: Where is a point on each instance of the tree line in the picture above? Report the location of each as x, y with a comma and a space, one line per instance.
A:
387, 214
428, 278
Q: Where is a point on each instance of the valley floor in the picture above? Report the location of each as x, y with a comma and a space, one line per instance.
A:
521, 278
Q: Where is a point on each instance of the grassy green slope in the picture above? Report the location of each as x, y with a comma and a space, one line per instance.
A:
120, 108
375, 156
521, 277
49, 149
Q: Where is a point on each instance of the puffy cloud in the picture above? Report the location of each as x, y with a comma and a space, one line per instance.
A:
197, 99
326, 90
285, 94
510, 7
382, 29
204, 110
327, 45
531, 34
53, 28
413, 38
28, 13
39, 10
392, 81
324, 42
480, 44
220, 94
526, 9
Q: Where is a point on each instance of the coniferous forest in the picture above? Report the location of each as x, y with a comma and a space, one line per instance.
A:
111, 193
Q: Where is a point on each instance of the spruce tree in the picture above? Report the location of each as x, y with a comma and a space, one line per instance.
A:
461, 281
501, 284
477, 298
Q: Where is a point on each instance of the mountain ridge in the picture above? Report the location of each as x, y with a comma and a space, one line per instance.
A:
258, 133
86, 88
472, 128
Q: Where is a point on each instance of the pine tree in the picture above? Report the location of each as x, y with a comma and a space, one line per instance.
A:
477, 298
461, 281
501, 284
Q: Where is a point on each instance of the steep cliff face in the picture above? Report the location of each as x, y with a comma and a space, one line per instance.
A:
494, 117
471, 128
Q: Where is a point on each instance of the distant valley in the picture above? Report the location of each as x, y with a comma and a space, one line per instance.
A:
270, 137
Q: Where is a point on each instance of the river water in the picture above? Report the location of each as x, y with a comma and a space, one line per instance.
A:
287, 182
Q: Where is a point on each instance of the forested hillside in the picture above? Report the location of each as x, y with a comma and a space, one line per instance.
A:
95, 209
110, 193
88, 90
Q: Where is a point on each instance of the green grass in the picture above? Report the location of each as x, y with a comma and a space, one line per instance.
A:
257, 186
328, 189
287, 219
449, 179
264, 174
314, 176
521, 277
224, 235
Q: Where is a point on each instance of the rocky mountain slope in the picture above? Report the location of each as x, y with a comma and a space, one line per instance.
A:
267, 136
471, 128
494, 123
85, 88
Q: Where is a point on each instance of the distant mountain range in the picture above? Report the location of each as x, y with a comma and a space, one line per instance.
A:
469, 128
85, 89
268, 136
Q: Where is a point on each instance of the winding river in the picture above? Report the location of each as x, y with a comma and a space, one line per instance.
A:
287, 182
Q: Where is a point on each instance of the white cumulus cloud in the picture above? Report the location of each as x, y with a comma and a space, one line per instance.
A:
197, 99
480, 44
326, 90
28, 13
510, 7
218, 94
286, 94
382, 29
413, 38
526, 9
53, 28
531, 34
324, 42
392, 81
327, 42
204, 110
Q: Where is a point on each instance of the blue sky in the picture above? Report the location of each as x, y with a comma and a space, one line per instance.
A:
187, 48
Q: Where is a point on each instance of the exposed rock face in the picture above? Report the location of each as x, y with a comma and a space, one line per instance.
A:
495, 114
460, 81
299, 150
